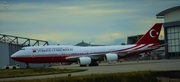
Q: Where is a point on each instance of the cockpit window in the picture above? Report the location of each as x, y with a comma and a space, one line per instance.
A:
22, 48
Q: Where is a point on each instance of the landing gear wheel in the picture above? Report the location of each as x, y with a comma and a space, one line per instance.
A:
97, 64
7, 67
14, 67
83, 65
27, 65
94, 64
49, 65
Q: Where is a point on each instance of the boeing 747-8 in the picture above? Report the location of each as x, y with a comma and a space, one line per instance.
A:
66, 54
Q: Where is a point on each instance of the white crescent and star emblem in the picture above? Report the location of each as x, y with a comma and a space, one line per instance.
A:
150, 33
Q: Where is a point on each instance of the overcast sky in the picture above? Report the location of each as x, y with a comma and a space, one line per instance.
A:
105, 22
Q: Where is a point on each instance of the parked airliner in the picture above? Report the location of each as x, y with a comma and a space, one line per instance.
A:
66, 54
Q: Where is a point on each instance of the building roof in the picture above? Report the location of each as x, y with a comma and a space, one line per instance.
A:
162, 13
82, 44
21, 41
86, 44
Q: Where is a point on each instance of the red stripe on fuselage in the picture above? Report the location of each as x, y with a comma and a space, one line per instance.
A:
136, 53
126, 48
41, 59
140, 47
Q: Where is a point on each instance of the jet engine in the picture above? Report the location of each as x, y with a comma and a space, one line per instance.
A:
84, 60
110, 57
66, 63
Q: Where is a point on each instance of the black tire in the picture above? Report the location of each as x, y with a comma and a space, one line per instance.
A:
14, 67
27, 67
94, 64
7, 67
91, 64
83, 65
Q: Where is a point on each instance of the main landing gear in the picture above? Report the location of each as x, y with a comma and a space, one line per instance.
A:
94, 63
27, 65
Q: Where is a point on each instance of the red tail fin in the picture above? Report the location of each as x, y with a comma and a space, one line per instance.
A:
151, 36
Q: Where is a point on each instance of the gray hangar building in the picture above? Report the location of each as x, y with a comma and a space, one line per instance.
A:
10, 44
171, 26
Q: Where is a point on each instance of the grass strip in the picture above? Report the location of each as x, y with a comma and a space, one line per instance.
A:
6, 73
140, 76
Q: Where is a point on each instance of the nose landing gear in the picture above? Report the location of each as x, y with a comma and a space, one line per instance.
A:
27, 65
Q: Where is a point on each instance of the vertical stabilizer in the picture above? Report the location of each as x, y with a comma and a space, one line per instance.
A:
151, 36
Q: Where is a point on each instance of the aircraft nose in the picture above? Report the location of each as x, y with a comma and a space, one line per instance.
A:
14, 55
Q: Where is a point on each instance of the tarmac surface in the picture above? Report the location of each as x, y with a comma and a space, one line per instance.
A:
171, 64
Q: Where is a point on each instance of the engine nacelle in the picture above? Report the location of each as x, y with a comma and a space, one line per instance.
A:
84, 60
66, 63
110, 57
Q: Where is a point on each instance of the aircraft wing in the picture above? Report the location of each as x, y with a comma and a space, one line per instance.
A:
92, 56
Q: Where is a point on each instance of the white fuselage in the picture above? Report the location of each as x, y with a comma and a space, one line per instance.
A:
75, 50
88, 55
40, 54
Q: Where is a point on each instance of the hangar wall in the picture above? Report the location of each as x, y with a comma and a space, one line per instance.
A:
133, 39
172, 16
7, 50
11, 44
171, 31
4, 53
